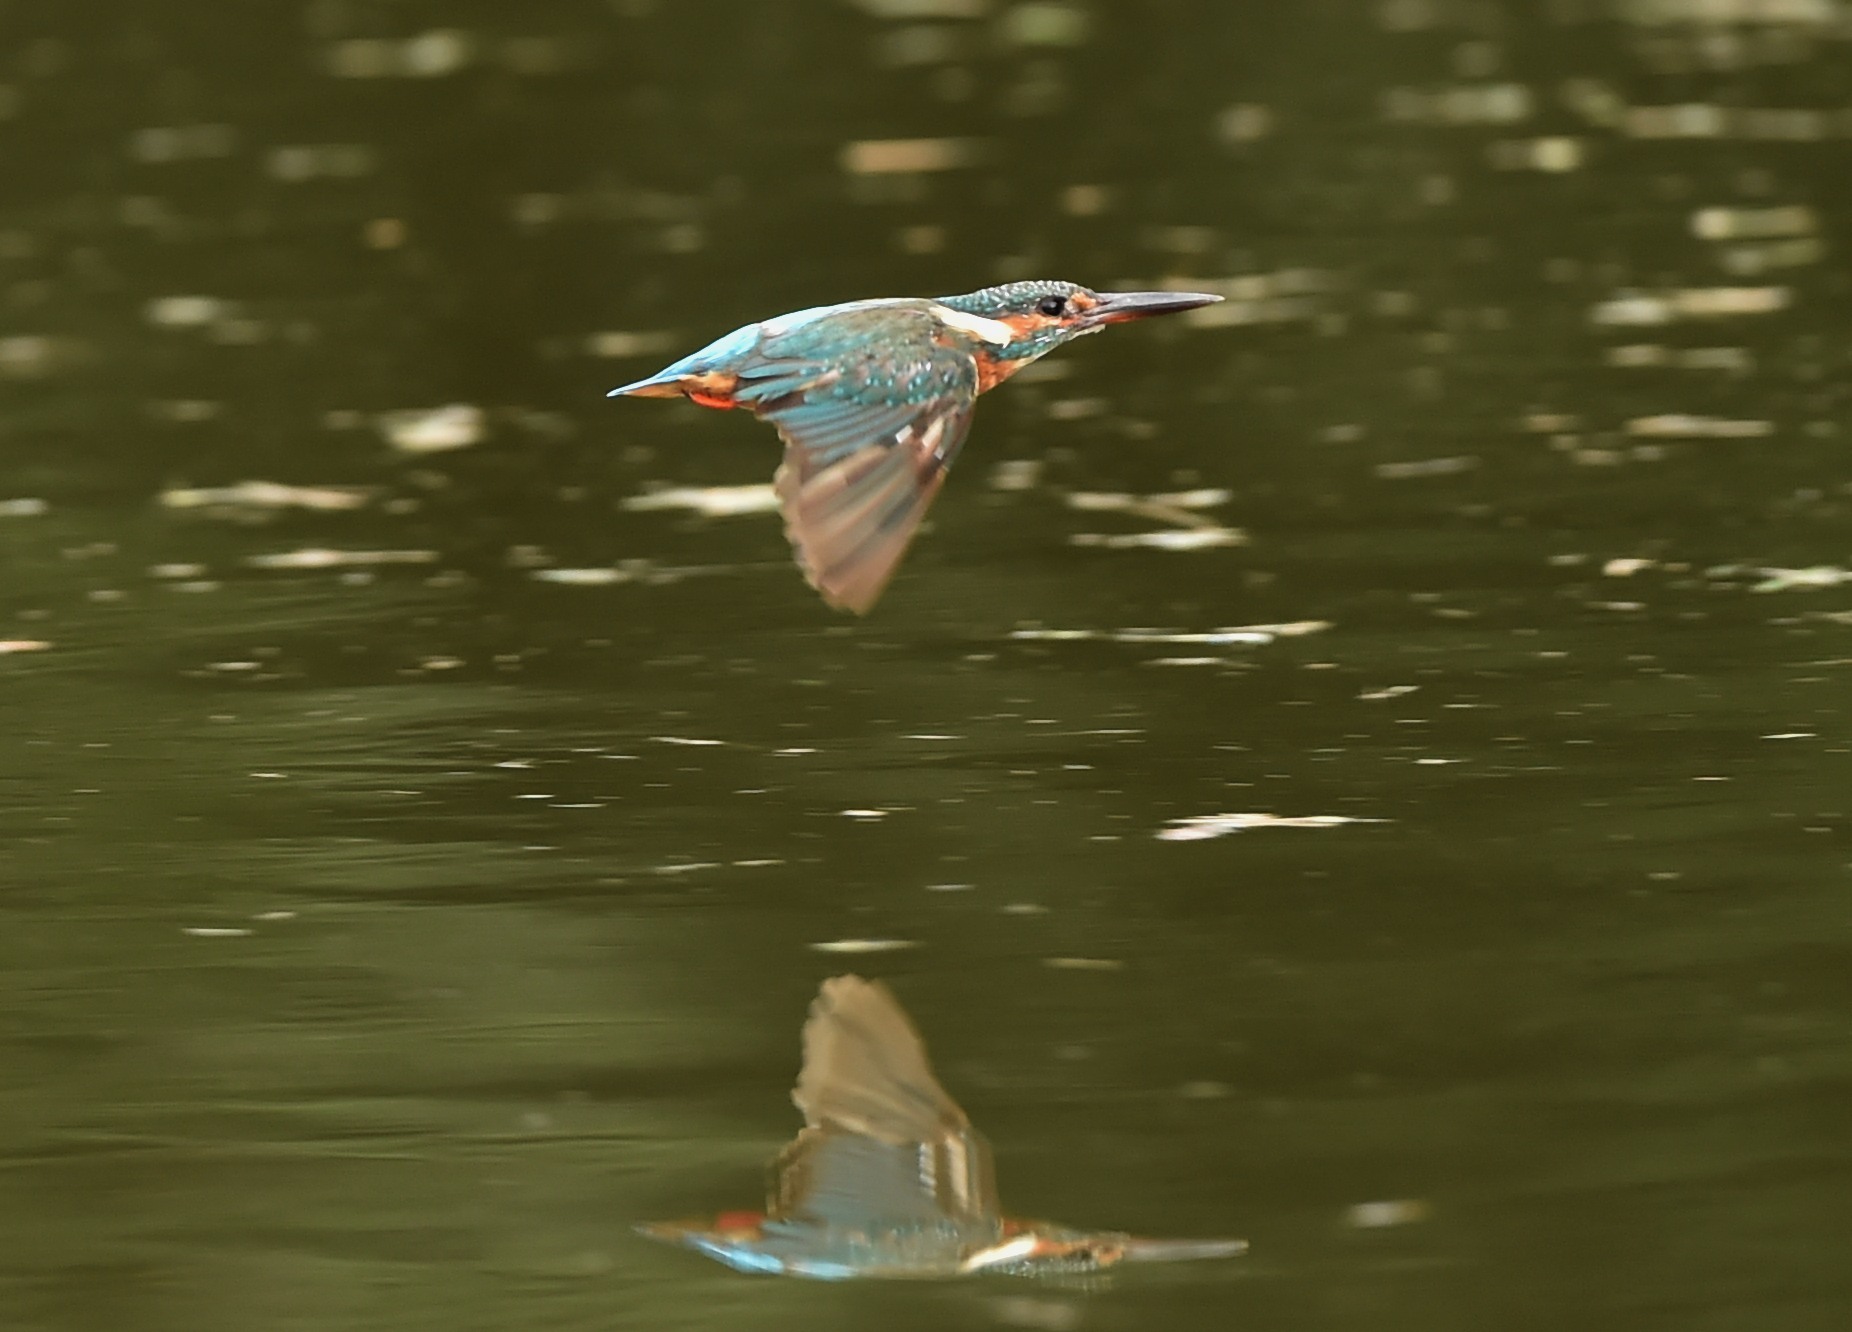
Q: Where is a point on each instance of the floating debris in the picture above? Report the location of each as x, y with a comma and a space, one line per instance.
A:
317, 557
1248, 635
294, 163
23, 508
1721, 224
708, 501
1203, 827
1460, 104
1195, 538
162, 144
1244, 122
434, 429
855, 946
1676, 425
428, 55
1807, 580
216, 931
1636, 308
1017, 473
186, 311
8, 646
599, 577
1392, 1212
1180, 503
1083, 964
1551, 153
866, 815
873, 157
1652, 355
1405, 471
1392, 691
265, 495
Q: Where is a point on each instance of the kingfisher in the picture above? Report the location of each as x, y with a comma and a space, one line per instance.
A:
873, 399
888, 1178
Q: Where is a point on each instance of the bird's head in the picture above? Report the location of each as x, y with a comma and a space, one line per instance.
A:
1042, 315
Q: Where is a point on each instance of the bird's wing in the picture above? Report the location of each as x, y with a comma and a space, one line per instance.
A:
882, 1140
872, 410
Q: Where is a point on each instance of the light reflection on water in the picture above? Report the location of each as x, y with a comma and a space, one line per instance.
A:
431, 784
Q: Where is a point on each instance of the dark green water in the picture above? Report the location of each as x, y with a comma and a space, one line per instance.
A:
375, 948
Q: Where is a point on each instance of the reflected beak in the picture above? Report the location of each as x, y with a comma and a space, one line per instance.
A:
1116, 307
1181, 1250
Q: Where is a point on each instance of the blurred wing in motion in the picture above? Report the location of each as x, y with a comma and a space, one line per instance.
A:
872, 409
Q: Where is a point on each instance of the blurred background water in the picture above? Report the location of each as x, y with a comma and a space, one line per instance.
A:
1418, 843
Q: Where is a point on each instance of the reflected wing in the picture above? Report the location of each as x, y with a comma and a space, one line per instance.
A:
835, 1178
882, 1139
872, 410
865, 1068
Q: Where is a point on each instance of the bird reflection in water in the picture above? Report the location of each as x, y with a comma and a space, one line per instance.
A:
888, 1178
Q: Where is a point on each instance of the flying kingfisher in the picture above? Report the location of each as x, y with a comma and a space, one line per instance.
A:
888, 1178
873, 399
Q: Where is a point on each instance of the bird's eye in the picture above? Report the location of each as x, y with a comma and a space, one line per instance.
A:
1052, 306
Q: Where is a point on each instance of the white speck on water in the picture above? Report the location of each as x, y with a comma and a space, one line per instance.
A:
1392, 691
1083, 964
1185, 539
684, 740
1626, 568
1394, 1212
595, 577
434, 429
12, 645
1808, 579
1205, 826
315, 557
216, 931
708, 501
1245, 635
859, 946
265, 495
868, 814
1424, 467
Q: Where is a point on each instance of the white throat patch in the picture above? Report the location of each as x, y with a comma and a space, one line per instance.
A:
990, 330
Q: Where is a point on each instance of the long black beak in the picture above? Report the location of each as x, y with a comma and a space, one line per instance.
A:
1116, 307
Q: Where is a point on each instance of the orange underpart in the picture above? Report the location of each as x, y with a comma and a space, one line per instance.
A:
729, 1222
992, 371
711, 390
